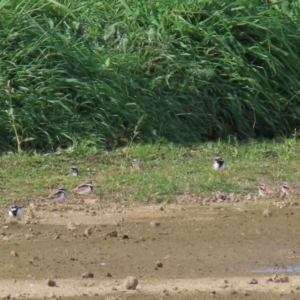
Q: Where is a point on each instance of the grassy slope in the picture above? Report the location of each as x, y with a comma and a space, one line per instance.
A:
171, 171
115, 71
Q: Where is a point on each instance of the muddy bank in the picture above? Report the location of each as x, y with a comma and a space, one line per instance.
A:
212, 251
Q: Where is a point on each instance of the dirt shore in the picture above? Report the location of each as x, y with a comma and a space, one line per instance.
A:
220, 251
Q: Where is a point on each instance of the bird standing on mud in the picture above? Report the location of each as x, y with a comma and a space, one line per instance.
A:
15, 211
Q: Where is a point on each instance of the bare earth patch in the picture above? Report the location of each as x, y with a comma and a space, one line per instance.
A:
222, 250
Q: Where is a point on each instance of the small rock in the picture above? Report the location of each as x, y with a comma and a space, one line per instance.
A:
29, 236
282, 195
71, 226
88, 231
87, 275
154, 224
225, 286
89, 284
249, 197
221, 196
14, 253
56, 237
158, 264
204, 201
161, 208
280, 279
112, 234
253, 281
51, 283
232, 197
125, 237
130, 283
267, 213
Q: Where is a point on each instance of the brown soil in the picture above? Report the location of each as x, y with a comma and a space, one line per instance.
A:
207, 252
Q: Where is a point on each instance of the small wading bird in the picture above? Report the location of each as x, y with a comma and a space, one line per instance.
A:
15, 211
219, 163
84, 188
136, 164
287, 188
57, 195
263, 190
74, 171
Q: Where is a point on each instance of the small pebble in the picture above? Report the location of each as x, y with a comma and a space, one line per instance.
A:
154, 224
51, 283
158, 264
88, 231
130, 283
253, 281
87, 275
267, 213
14, 253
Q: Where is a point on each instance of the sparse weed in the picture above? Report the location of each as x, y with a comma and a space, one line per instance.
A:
171, 171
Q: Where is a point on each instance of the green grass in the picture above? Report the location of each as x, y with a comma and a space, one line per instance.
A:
171, 171
112, 72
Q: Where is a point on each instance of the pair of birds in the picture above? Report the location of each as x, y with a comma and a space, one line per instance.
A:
16, 211
81, 189
286, 188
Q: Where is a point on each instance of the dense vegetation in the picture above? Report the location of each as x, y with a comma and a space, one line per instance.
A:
112, 72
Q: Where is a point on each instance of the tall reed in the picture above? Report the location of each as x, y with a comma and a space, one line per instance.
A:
112, 72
